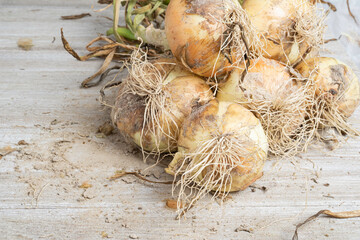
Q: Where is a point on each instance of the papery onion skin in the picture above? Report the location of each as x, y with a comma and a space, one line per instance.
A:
228, 120
266, 76
195, 33
335, 81
180, 91
275, 19
277, 99
266, 81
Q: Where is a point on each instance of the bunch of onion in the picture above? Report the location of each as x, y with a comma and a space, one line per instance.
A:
209, 37
337, 91
279, 100
288, 29
222, 148
154, 100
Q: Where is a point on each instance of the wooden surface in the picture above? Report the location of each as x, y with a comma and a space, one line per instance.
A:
40, 194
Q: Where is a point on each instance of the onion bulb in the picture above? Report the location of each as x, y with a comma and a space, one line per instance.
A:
277, 99
207, 37
222, 148
288, 29
337, 90
154, 100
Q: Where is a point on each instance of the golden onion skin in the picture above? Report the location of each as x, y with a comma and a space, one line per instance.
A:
194, 35
334, 80
266, 82
272, 19
277, 99
263, 74
181, 88
226, 118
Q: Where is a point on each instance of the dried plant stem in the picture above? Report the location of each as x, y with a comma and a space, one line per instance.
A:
348, 214
108, 51
102, 69
116, 20
350, 13
120, 174
40, 192
72, 17
331, 40
103, 9
102, 76
109, 84
332, 6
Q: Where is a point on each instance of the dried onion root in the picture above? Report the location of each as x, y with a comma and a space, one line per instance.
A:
208, 37
337, 91
222, 148
289, 30
279, 100
154, 100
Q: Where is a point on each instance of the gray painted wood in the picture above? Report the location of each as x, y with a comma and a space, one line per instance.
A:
40, 196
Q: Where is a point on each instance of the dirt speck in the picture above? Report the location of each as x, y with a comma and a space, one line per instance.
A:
213, 230
22, 142
25, 43
6, 150
90, 193
171, 203
253, 188
54, 122
328, 196
314, 180
104, 234
106, 129
244, 228
85, 185
133, 236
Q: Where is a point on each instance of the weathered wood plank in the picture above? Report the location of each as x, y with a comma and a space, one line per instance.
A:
39, 184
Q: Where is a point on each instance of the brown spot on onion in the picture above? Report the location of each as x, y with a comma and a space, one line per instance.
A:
337, 91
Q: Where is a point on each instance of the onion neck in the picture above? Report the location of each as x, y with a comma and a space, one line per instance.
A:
153, 36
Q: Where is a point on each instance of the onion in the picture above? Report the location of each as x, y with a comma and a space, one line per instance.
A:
277, 99
207, 37
222, 148
337, 90
288, 29
154, 100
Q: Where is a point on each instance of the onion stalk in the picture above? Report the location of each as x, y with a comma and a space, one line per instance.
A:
141, 18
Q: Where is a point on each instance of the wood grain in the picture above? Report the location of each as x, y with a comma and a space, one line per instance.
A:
40, 197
